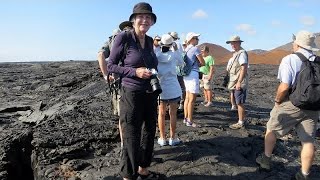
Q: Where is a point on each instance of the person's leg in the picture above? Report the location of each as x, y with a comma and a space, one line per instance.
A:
269, 143
148, 134
120, 132
161, 120
232, 101
205, 96
192, 99
241, 112
131, 122
307, 157
209, 94
173, 118
186, 104
183, 89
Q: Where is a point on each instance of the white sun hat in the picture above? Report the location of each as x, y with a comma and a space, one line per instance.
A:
305, 39
166, 40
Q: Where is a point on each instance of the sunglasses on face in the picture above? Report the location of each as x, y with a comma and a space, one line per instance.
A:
196, 38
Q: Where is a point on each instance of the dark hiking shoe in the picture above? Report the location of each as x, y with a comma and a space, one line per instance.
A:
300, 176
264, 161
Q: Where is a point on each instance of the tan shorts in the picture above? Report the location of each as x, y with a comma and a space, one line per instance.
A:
205, 83
286, 116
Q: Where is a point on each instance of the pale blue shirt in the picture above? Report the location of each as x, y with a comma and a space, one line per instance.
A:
290, 66
192, 53
167, 74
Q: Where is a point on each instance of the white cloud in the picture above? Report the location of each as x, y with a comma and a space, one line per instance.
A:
247, 28
308, 20
199, 14
276, 23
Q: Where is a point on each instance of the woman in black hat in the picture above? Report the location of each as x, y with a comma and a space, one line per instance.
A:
138, 102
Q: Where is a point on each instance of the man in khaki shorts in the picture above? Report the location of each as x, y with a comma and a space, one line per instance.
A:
285, 116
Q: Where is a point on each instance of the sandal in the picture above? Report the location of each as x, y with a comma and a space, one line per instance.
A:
151, 175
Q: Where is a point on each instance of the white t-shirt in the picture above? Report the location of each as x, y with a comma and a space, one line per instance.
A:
290, 66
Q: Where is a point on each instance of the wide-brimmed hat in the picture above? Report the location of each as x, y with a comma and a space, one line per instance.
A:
125, 24
166, 40
143, 8
305, 39
234, 38
191, 35
174, 35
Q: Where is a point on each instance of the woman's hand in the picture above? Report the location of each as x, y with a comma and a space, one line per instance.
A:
143, 73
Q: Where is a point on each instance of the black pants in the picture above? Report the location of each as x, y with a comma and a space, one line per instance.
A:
183, 88
138, 117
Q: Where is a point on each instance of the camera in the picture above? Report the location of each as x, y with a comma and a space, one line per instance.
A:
154, 82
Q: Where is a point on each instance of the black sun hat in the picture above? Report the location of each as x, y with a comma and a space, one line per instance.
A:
143, 8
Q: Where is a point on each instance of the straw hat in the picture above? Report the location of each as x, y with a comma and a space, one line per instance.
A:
234, 39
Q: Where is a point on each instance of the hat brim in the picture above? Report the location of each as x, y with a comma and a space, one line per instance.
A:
144, 12
311, 48
125, 24
168, 45
228, 42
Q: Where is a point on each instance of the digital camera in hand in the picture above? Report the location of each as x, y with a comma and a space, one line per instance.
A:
154, 82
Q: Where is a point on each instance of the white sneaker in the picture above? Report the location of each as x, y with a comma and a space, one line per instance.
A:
162, 142
173, 142
233, 108
180, 107
203, 102
208, 104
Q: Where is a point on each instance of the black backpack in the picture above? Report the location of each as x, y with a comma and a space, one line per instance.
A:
305, 92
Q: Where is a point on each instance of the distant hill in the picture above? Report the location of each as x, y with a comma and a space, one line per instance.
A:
219, 53
258, 51
256, 56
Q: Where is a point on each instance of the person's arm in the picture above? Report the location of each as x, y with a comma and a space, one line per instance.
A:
200, 59
282, 92
243, 72
243, 60
211, 72
102, 64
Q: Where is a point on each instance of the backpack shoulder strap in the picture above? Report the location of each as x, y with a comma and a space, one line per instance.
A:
301, 56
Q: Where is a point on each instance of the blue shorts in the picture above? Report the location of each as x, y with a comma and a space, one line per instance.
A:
240, 96
173, 100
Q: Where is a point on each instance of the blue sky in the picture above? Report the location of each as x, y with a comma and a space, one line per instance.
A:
57, 30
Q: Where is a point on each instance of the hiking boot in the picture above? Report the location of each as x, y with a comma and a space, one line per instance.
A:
300, 176
264, 161
236, 126
173, 142
162, 142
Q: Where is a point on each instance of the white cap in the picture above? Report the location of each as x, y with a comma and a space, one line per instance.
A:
191, 35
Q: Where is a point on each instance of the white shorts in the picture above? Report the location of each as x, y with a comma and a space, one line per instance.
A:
192, 82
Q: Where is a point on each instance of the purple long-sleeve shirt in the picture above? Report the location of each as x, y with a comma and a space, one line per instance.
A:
135, 57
